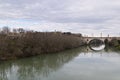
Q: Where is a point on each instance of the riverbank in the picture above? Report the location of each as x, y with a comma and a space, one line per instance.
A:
114, 44
26, 44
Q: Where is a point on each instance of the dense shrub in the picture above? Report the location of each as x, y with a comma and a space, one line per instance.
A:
24, 44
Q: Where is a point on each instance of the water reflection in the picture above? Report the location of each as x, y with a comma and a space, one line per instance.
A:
82, 63
97, 48
96, 45
37, 67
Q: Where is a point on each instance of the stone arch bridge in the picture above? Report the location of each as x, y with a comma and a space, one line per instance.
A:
88, 39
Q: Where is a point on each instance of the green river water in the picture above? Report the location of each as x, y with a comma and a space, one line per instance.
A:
76, 64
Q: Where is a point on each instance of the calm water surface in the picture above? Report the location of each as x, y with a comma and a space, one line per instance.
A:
76, 64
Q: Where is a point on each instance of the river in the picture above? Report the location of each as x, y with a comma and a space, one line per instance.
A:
76, 64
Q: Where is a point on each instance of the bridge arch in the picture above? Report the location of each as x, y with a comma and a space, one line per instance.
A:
105, 40
96, 41
88, 39
96, 44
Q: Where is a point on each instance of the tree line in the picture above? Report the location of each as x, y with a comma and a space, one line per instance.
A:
19, 42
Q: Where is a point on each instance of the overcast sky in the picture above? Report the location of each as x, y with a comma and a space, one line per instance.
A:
78, 16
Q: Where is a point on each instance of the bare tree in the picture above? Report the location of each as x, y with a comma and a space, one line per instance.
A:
21, 30
14, 30
5, 30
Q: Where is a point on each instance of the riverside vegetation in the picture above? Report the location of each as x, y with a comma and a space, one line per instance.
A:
18, 43
115, 43
21, 43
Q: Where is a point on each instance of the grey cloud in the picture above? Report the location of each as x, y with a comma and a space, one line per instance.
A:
56, 11
71, 15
